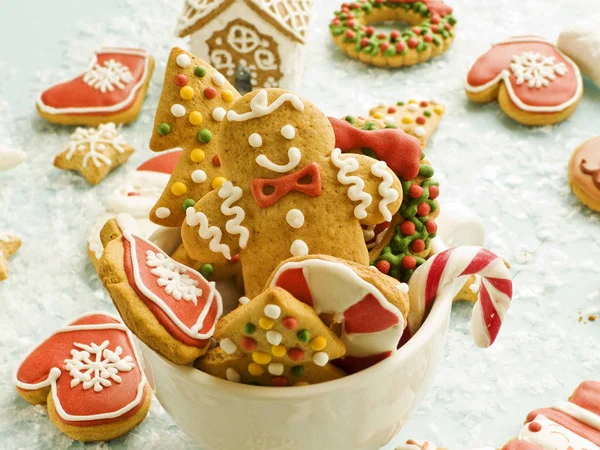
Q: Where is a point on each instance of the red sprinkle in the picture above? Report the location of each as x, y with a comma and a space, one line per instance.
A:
535, 427
428, 38
384, 46
409, 262
350, 34
435, 19
336, 22
248, 343
279, 381
295, 354
400, 46
364, 42
369, 31
416, 30
413, 42
392, 110
133, 194
421, 120
289, 323
435, 28
418, 246
395, 34
383, 266
351, 23
354, 6
210, 92
216, 161
181, 80
423, 104
407, 228
448, 26
431, 226
423, 209
415, 191
382, 35
434, 192
235, 258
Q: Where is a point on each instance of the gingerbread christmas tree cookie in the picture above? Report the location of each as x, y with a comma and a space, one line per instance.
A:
194, 101
9, 244
95, 152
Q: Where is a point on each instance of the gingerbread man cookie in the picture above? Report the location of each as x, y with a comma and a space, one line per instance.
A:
170, 307
9, 244
95, 152
584, 173
533, 81
89, 375
289, 192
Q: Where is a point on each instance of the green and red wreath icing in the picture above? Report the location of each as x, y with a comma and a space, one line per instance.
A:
437, 26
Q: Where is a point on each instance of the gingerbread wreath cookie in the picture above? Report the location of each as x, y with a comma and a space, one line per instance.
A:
89, 375
112, 89
9, 244
95, 152
170, 307
533, 81
431, 35
584, 173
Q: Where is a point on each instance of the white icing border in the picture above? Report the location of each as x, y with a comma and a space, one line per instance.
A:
55, 373
113, 108
504, 75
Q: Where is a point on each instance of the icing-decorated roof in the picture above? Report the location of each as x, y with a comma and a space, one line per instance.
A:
290, 16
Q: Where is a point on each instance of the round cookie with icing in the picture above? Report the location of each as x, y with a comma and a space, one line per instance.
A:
533, 81
431, 34
89, 375
172, 308
584, 173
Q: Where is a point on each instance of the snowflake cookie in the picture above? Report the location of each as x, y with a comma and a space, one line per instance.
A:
9, 244
95, 152
89, 375
533, 81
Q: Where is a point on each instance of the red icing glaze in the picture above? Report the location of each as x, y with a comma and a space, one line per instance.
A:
583, 430
521, 445
293, 281
76, 93
499, 57
164, 163
352, 364
587, 396
77, 401
184, 310
400, 151
286, 184
368, 316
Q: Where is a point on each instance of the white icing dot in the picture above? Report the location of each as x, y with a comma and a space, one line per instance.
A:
275, 368
218, 79
228, 346
413, 107
232, 375
272, 311
474, 288
288, 132
295, 218
320, 358
183, 60
255, 140
402, 287
163, 213
219, 114
198, 176
420, 131
274, 337
244, 300
299, 248
178, 110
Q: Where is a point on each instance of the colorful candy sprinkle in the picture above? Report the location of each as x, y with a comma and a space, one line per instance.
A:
266, 324
188, 203
163, 129
210, 92
249, 328
197, 155
255, 369
407, 120
207, 270
303, 335
204, 136
278, 351
227, 95
318, 343
248, 343
295, 354
272, 311
261, 358
186, 93
298, 371
289, 323
180, 80
279, 381
217, 182
178, 188
195, 118
199, 71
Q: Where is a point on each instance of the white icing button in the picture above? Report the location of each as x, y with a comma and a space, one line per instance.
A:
420, 131
320, 358
413, 107
299, 248
163, 213
288, 132
218, 79
219, 114
183, 60
295, 218
178, 110
274, 337
275, 368
228, 346
402, 287
272, 311
244, 300
255, 140
198, 176
233, 375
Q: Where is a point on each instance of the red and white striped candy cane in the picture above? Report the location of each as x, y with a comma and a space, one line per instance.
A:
447, 271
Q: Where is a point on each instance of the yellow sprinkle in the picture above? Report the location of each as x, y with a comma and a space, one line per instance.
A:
187, 93
412, 101
439, 110
377, 115
197, 155
407, 119
261, 358
279, 351
255, 369
227, 95
178, 188
265, 324
195, 118
318, 343
302, 383
216, 184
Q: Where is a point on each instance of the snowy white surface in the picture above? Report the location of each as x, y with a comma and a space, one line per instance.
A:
515, 177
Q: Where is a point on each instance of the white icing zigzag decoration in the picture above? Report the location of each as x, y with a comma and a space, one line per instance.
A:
95, 141
260, 107
537, 69
232, 194
356, 191
105, 78
173, 277
388, 195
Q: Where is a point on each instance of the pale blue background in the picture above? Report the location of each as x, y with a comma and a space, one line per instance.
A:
513, 176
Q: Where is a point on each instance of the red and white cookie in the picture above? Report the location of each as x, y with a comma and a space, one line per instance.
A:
90, 376
112, 89
533, 81
172, 308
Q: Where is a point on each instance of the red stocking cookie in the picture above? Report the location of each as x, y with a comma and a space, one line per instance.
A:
534, 82
90, 376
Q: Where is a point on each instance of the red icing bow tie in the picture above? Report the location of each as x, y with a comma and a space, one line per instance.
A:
281, 186
434, 6
401, 151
